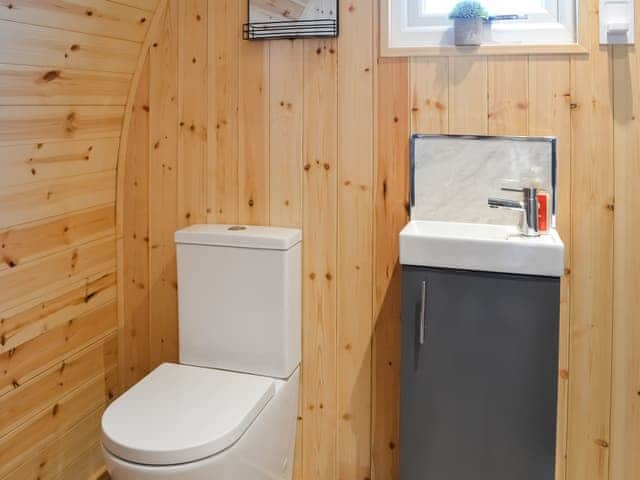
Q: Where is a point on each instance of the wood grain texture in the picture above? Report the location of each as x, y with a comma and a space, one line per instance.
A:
430, 95
222, 167
26, 322
391, 214
508, 102
60, 450
44, 391
134, 296
89, 465
55, 48
48, 350
193, 115
24, 282
27, 242
30, 437
31, 163
95, 17
286, 103
320, 225
625, 381
149, 5
280, 113
592, 200
40, 200
163, 147
285, 133
65, 73
30, 124
27, 85
550, 115
355, 238
468, 103
253, 130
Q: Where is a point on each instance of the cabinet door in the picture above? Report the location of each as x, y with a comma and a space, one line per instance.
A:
478, 397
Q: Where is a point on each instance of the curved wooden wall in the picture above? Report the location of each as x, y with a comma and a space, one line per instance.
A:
314, 134
65, 72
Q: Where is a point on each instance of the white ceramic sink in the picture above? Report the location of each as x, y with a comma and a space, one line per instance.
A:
489, 248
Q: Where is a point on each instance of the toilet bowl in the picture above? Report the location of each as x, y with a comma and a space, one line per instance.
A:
223, 426
229, 410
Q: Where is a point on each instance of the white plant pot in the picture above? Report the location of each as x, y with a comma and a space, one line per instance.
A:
468, 31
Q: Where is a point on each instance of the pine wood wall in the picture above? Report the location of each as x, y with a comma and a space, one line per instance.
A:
314, 134
65, 72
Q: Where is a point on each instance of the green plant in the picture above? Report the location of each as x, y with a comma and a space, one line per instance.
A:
468, 9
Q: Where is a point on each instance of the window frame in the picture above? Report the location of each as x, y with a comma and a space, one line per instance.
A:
401, 37
416, 8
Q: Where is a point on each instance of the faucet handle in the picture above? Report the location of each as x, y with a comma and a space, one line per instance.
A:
525, 190
528, 205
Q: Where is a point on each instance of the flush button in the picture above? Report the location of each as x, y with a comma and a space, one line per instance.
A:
237, 228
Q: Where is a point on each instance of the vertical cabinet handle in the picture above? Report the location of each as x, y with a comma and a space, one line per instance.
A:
423, 312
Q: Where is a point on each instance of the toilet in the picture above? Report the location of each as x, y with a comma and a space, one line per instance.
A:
228, 410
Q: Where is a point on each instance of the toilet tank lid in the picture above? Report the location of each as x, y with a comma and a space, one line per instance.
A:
243, 236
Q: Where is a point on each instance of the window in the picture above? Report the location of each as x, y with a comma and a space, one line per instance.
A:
425, 23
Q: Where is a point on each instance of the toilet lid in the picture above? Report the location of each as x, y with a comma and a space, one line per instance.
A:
179, 414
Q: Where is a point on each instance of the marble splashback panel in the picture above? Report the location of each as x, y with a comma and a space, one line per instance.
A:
454, 176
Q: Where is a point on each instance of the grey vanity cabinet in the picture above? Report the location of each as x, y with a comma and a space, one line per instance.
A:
478, 396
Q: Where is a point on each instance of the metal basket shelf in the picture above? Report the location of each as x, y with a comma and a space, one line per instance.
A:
290, 29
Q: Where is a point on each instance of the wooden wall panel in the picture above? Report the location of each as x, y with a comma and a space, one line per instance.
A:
550, 114
60, 450
253, 130
23, 442
65, 49
592, 204
391, 214
508, 95
65, 73
625, 398
45, 199
320, 225
31, 163
95, 17
315, 134
468, 97
27, 242
89, 464
135, 360
25, 125
24, 282
149, 5
222, 167
44, 391
27, 85
285, 133
430, 95
193, 115
355, 238
163, 188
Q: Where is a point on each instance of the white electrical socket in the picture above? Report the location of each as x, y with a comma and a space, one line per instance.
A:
617, 22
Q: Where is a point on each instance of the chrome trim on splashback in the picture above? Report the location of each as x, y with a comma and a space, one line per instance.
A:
554, 163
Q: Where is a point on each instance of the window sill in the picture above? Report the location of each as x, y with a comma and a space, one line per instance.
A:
488, 50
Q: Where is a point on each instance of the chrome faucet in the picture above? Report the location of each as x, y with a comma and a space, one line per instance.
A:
528, 206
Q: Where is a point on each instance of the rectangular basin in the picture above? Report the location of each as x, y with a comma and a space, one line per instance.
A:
481, 247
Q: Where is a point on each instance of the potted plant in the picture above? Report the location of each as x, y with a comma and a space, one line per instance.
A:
468, 17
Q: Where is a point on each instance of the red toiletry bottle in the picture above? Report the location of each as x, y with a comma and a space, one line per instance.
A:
543, 211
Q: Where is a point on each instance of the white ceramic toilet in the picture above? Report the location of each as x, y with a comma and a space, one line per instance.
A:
229, 409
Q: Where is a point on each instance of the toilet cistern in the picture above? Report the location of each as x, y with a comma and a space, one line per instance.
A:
229, 409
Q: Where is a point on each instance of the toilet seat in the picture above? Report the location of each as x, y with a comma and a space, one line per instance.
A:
179, 414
